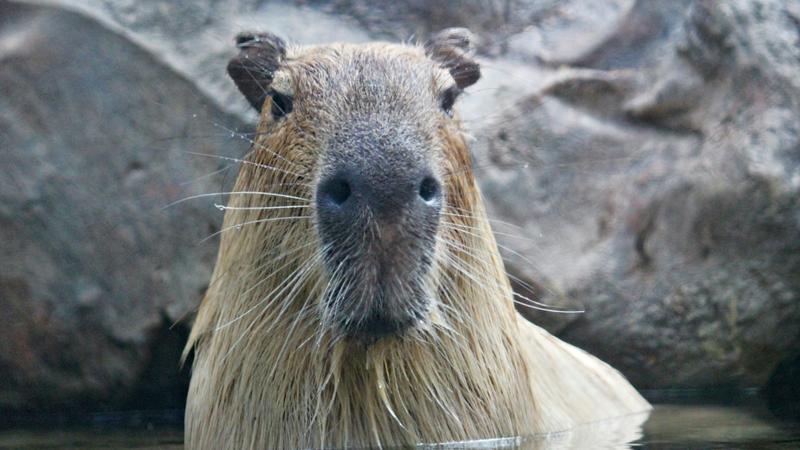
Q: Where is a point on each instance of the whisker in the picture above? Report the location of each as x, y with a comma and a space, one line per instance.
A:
257, 208
255, 144
467, 216
503, 247
293, 280
267, 277
543, 308
477, 278
291, 297
244, 161
239, 226
532, 303
212, 194
208, 175
467, 227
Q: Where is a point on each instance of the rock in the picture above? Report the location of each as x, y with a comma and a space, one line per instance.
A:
641, 36
194, 37
493, 21
562, 33
783, 389
665, 199
529, 30
94, 270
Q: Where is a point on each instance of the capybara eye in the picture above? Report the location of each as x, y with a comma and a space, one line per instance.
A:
281, 104
429, 189
447, 98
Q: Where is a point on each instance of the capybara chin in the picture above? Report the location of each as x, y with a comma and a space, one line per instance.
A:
358, 297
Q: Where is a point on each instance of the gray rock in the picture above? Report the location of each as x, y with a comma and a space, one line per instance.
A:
522, 29
665, 200
94, 136
195, 38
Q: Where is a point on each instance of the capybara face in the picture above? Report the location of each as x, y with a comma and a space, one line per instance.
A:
364, 129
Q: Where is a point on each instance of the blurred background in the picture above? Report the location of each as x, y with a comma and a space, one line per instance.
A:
640, 158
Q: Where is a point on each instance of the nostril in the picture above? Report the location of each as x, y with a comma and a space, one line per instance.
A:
429, 189
337, 190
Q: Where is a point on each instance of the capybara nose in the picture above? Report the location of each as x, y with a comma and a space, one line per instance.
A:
348, 197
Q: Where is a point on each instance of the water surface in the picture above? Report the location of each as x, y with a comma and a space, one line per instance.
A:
733, 424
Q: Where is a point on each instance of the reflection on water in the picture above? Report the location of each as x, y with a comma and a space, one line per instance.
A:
93, 438
669, 426
611, 434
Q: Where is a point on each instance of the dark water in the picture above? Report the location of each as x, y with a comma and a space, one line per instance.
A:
673, 424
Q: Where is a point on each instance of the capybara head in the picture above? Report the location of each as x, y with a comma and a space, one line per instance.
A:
367, 134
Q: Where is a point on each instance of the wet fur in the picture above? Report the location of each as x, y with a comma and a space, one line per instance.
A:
270, 372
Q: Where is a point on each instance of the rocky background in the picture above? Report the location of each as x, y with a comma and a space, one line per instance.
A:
641, 158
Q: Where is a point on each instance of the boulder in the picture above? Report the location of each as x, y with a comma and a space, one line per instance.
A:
664, 198
95, 270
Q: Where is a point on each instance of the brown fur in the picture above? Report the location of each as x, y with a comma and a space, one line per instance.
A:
267, 371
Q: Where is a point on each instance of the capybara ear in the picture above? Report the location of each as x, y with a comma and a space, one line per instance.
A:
260, 55
452, 48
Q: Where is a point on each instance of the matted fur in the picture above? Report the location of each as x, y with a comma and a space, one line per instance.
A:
268, 373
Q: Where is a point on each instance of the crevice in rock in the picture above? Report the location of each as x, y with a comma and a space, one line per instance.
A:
645, 261
782, 391
163, 383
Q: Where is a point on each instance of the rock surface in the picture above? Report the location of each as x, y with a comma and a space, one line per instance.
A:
94, 271
646, 153
666, 198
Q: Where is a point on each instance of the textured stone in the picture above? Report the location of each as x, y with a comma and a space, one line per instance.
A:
664, 199
94, 139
